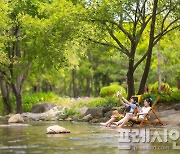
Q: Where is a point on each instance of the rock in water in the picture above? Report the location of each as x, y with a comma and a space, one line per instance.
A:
56, 130
17, 118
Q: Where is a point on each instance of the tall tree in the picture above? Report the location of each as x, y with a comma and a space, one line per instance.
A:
38, 30
123, 25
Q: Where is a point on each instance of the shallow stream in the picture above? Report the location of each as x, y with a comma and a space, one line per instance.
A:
84, 139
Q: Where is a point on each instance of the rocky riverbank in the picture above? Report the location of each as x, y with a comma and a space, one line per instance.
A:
169, 115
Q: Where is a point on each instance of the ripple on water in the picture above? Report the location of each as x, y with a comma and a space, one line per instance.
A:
77, 139
15, 141
18, 147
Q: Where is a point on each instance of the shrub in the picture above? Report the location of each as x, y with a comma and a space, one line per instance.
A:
100, 102
165, 97
112, 90
30, 99
71, 112
176, 94
165, 88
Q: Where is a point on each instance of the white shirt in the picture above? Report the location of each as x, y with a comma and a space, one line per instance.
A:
144, 110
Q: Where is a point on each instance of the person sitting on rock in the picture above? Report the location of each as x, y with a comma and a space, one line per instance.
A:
129, 107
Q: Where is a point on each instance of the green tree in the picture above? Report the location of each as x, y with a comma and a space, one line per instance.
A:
38, 30
123, 25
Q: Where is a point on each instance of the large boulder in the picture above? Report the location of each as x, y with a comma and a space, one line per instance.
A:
17, 118
43, 107
177, 106
95, 112
56, 130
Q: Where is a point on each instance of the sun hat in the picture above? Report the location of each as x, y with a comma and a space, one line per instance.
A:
115, 114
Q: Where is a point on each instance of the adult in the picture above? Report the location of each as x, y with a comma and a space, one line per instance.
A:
129, 106
140, 115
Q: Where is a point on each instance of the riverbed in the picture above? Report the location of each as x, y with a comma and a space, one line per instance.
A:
84, 138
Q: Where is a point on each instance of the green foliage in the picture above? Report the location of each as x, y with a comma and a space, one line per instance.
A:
100, 102
173, 95
1, 107
112, 90
165, 88
30, 99
71, 112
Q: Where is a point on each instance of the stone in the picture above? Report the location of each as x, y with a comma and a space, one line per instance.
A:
62, 116
106, 109
17, 118
87, 118
95, 112
42, 107
56, 130
83, 110
68, 119
177, 106
94, 120
108, 114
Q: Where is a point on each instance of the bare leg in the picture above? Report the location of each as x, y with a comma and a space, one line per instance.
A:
126, 119
109, 122
123, 121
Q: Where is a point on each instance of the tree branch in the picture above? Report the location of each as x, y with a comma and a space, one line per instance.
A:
165, 31
6, 76
162, 34
105, 44
118, 25
140, 60
26, 73
124, 49
163, 21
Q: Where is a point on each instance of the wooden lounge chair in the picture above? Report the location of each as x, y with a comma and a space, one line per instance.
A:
147, 116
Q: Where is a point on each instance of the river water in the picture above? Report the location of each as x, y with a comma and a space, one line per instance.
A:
84, 139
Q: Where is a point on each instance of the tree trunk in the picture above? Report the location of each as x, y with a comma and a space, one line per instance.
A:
96, 87
105, 80
150, 47
88, 86
130, 78
73, 83
36, 88
5, 96
79, 89
159, 67
18, 94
